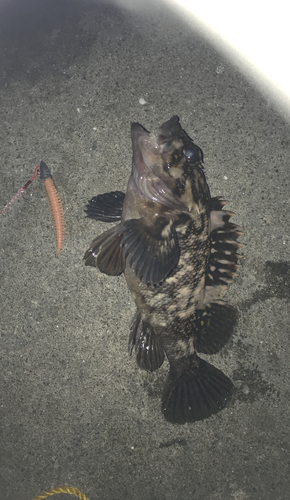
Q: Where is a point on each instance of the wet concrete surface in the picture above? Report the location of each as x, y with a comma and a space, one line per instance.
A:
75, 408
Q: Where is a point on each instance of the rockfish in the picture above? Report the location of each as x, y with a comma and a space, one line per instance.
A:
178, 252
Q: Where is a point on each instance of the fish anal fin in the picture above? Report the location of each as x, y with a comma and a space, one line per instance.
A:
149, 351
196, 392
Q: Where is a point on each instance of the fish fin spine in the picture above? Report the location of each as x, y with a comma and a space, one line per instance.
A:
223, 261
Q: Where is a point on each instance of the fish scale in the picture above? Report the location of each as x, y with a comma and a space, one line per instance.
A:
178, 252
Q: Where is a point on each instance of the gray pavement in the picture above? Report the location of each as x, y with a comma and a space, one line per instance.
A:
75, 408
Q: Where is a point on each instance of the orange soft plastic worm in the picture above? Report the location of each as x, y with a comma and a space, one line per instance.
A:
55, 205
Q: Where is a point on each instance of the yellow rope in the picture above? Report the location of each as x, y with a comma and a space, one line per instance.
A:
61, 489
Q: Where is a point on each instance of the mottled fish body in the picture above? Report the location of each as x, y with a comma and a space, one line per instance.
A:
177, 249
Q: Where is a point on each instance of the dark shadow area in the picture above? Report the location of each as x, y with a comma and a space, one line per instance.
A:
277, 284
42, 37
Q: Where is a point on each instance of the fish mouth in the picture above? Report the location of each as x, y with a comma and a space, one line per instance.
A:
168, 131
147, 159
154, 144
145, 146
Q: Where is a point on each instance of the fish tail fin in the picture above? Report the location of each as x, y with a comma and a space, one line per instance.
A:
195, 391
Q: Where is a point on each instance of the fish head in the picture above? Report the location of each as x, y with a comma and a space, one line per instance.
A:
165, 165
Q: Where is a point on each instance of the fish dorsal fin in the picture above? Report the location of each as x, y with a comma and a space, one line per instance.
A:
223, 260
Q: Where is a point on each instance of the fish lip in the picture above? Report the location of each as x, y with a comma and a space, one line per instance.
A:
136, 127
138, 133
144, 143
168, 130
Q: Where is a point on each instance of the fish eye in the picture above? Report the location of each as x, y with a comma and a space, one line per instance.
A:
192, 153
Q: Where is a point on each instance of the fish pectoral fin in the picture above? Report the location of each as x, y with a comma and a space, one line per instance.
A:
106, 252
196, 392
214, 326
106, 207
149, 351
151, 248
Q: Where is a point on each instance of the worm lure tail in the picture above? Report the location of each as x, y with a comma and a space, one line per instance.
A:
21, 190
55, 205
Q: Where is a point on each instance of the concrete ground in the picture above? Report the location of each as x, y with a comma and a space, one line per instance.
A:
75, 408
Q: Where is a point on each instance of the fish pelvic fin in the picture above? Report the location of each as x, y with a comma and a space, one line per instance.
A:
106, 252
151, 249
149, 351
106, 207
194, 392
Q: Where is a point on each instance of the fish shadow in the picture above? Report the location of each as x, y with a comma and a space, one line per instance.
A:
277, 284
250, 384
